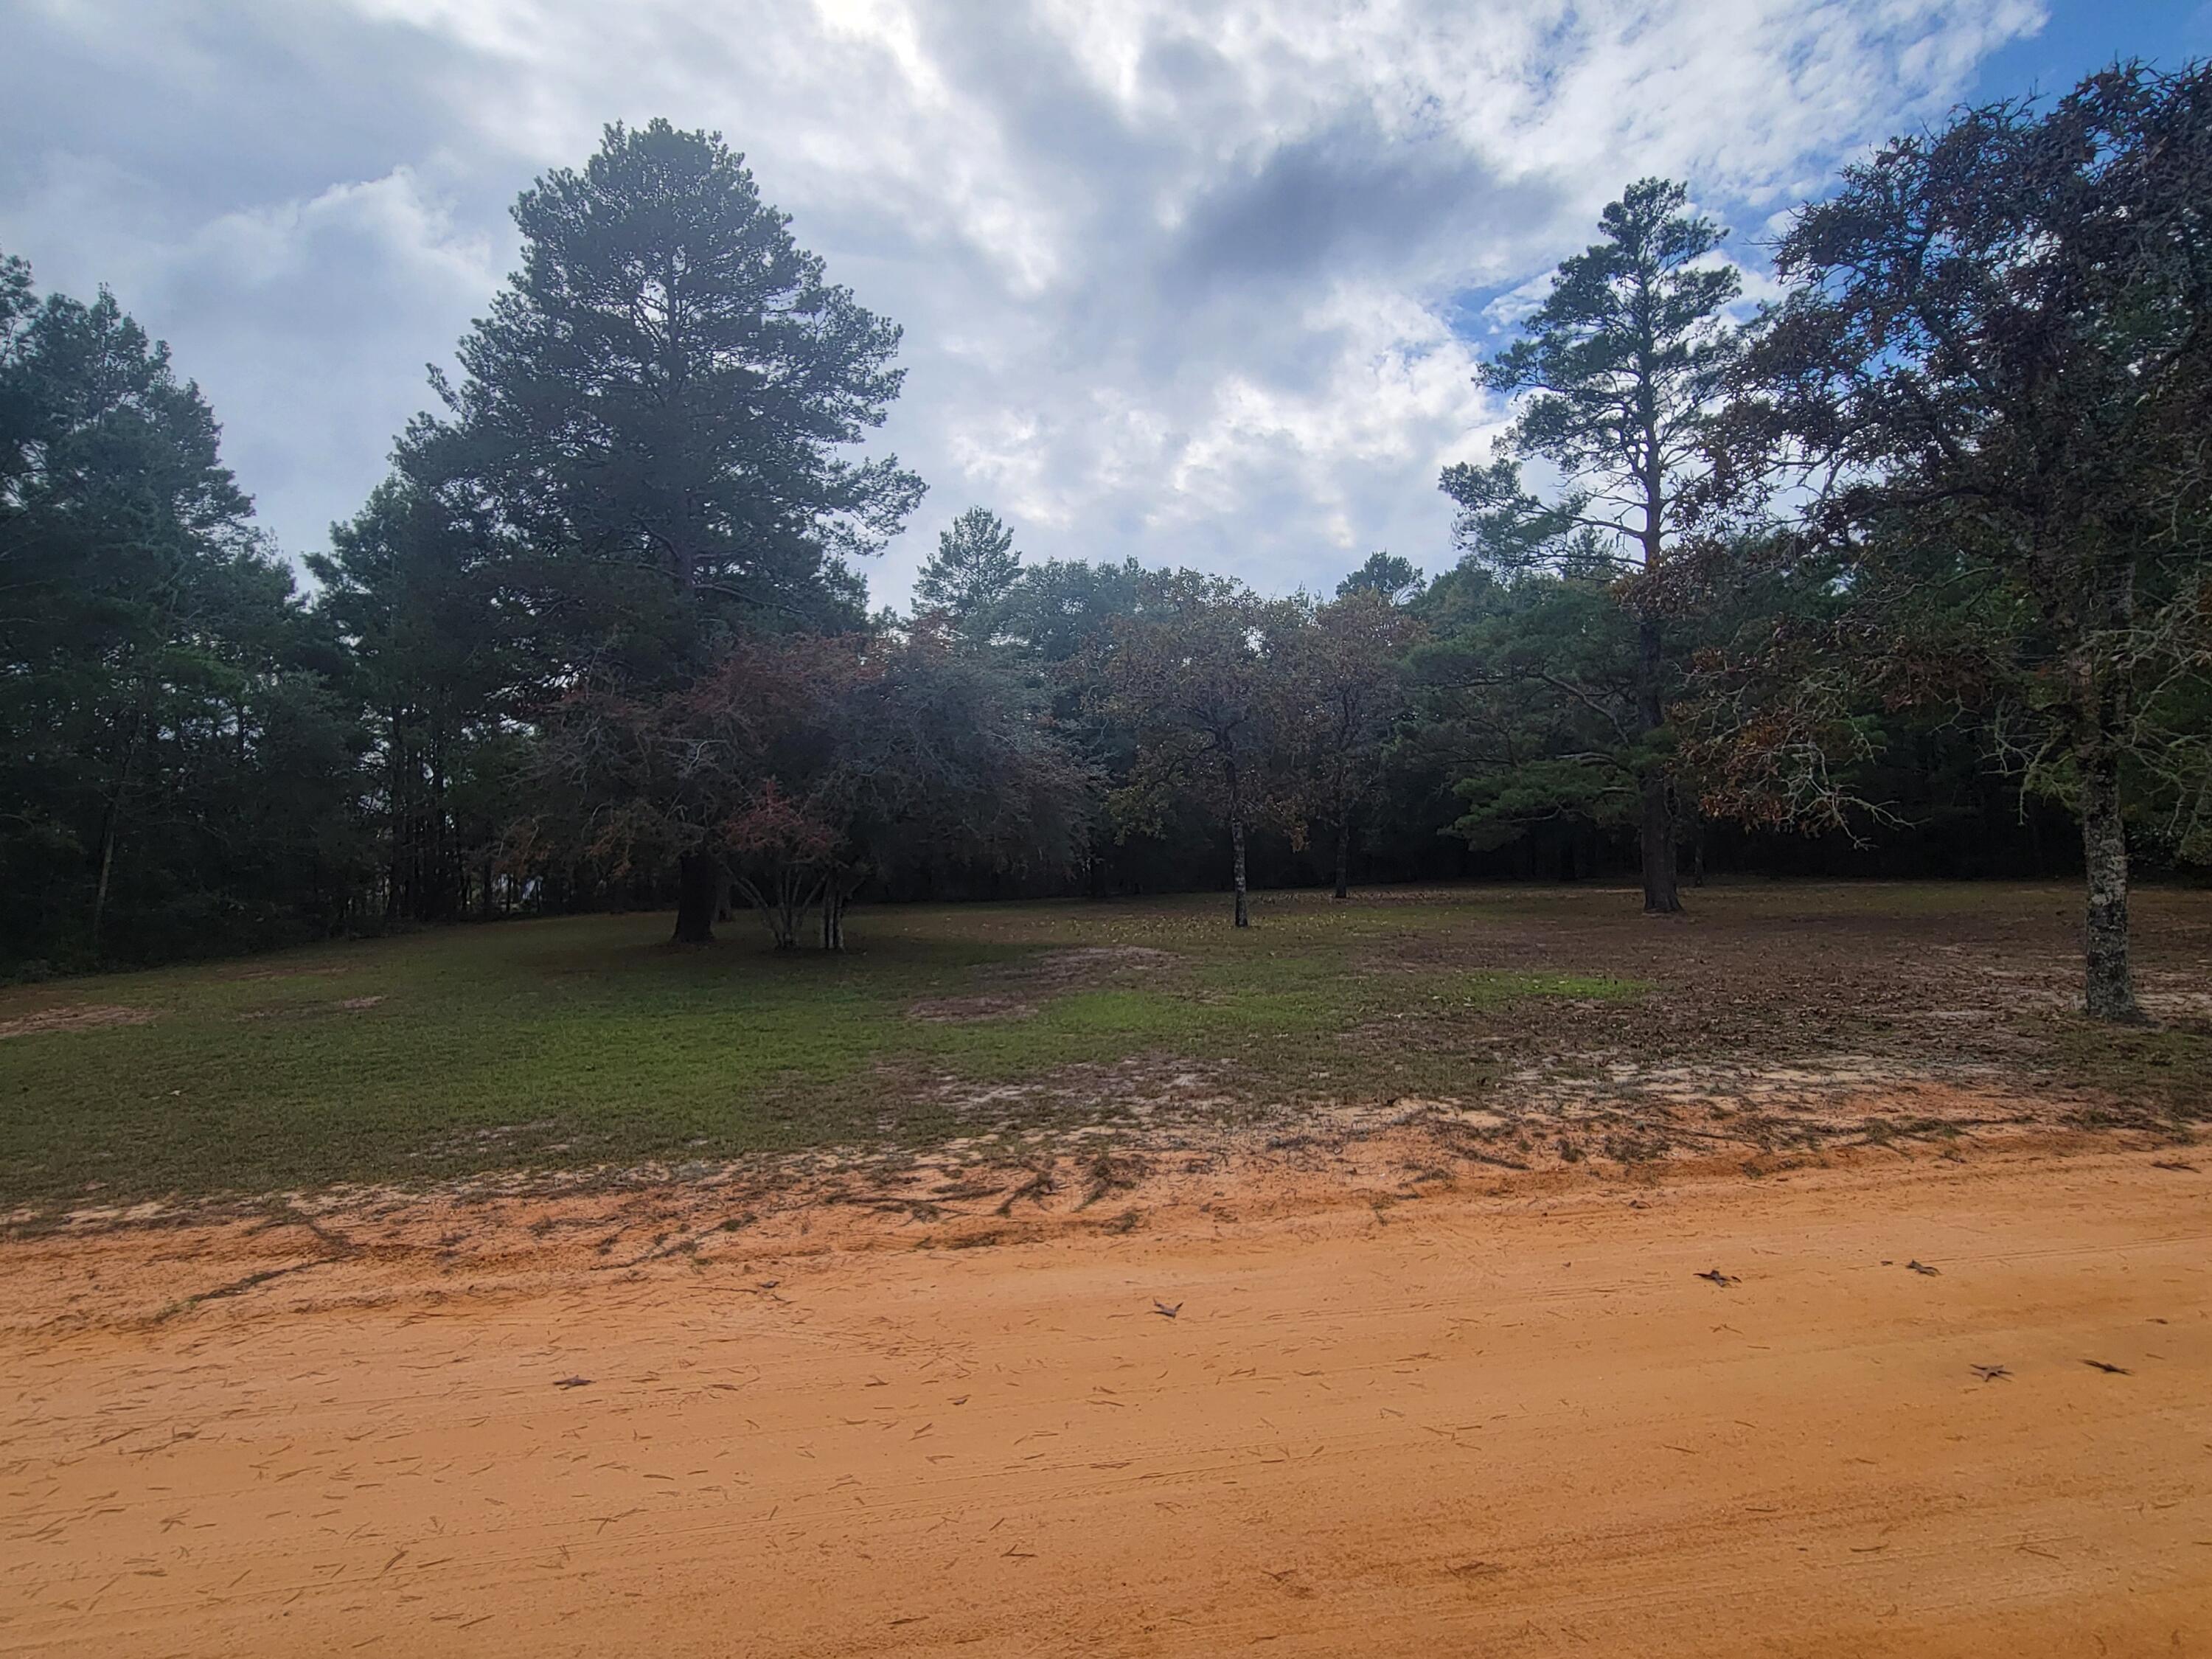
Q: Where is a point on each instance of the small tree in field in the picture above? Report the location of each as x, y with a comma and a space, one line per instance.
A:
1995, 376
1199, 678
799, 766
1620, 370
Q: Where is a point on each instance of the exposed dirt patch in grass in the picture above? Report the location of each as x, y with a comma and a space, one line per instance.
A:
1141, 1092
2170, 1005
959, 1010
1086, 965
1814, 1082
1040, 976
77, 1016
307, 1009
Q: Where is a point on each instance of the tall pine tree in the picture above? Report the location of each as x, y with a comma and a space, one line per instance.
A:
659, 412
1619, 372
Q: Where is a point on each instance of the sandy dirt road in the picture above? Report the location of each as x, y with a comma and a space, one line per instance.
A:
1491, 1420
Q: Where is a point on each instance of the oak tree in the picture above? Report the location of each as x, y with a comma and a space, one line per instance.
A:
1199, 678
1992, 376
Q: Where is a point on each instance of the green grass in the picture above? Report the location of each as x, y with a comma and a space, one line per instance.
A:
587, 1042
583, 1041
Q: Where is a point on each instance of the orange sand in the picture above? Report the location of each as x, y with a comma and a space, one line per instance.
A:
1494, 1420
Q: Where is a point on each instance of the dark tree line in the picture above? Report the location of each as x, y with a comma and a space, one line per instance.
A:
1897, 573
176, 770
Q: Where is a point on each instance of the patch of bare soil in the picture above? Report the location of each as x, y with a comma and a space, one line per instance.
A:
958, 1011
77, 1016
1032, 979
1347, 1392
1789, 997
307, 1010
1598, 1105
1563, 1111
1155, 1096
1085, 964
2052, 984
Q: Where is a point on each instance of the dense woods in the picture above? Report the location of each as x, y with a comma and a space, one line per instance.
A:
1906, 571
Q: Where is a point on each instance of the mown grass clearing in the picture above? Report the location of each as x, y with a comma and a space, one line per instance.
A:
588, 1041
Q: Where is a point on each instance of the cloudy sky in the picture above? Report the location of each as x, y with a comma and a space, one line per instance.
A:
1201, 283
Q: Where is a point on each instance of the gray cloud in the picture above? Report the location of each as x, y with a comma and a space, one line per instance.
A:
214, 109
1179, 280
1350, 195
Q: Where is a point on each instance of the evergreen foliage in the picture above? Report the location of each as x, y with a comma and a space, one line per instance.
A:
1901, 573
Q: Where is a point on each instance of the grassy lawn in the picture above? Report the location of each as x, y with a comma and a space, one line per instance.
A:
585, 1041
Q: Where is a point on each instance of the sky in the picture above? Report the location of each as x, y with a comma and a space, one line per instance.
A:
1202, 282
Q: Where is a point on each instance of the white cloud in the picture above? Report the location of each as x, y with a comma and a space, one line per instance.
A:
1176, 277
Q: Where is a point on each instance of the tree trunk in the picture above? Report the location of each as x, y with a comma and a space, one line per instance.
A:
1236, 849
2109, 991
788, 908
2101, 693
1343, 858
107, 833
398, 798
1662, 892
440, 899
697, 886
110, 824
